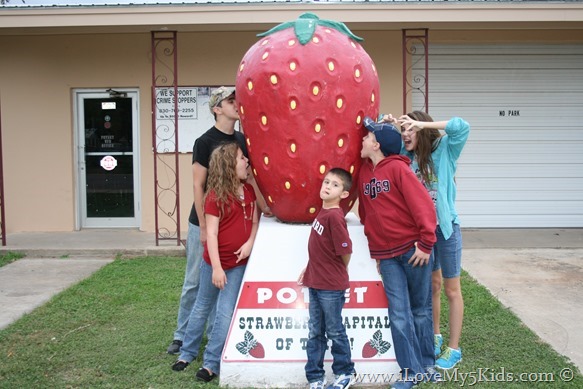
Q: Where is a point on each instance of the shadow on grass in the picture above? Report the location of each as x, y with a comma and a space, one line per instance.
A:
112, 330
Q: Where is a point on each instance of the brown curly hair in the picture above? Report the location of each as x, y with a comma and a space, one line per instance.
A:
222, 176
427, 142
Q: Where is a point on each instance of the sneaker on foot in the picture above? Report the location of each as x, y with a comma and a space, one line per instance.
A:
204, 375
437, 343
320, 384
449, 358
343, 381
180, 365
174, 347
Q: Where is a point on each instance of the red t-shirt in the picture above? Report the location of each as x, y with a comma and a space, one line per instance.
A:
328, 240
234, 227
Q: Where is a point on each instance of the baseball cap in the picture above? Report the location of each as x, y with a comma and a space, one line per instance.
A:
219, 95
386, 134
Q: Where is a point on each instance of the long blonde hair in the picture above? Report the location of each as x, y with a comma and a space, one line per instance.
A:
222, 176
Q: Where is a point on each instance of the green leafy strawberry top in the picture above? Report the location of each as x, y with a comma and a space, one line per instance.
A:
306, 24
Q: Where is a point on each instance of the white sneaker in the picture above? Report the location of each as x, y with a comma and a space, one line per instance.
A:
321, 384
343, 381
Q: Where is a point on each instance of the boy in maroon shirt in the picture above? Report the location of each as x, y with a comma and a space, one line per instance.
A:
326, 276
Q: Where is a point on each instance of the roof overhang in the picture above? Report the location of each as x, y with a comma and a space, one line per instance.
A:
254, 17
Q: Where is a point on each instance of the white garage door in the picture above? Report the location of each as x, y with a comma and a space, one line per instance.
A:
523, 163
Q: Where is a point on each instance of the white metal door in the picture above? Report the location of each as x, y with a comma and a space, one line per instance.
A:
107, 158
523, 163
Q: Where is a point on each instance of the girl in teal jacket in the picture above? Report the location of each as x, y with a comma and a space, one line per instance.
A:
434, 160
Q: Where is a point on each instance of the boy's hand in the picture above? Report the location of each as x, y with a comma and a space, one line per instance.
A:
419, 258
301, 277
267, 212
202, 235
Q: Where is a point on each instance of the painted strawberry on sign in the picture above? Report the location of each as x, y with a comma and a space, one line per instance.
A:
250, 346
303, 91
375, 346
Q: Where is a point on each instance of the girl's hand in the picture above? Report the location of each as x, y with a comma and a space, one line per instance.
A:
390, 119
219, 278
244, 251
408, 123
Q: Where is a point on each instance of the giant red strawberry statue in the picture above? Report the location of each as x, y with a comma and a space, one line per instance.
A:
303, 91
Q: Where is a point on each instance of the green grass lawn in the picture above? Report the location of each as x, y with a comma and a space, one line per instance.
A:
9, 257
112, 329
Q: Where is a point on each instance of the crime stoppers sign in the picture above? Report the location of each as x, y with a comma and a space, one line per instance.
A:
266, 344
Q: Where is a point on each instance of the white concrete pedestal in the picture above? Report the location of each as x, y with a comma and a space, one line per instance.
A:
265, 346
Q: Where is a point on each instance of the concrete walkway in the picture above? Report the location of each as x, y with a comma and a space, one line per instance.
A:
28, 283
537, 273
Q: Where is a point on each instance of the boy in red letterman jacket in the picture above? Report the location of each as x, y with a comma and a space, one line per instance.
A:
399, 223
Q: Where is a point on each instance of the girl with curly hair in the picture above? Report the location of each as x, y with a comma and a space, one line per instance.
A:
231, 222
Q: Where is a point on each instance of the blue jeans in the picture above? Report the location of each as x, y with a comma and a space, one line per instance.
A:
194, 250
448, 253
208, 296
326, 320
408, 290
